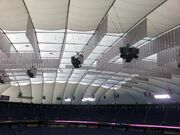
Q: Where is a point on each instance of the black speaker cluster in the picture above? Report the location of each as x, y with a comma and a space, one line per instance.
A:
129, 53
77, 60
32, 72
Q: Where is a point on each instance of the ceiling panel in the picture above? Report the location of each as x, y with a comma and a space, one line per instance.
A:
13, 15
86, 15
50, 16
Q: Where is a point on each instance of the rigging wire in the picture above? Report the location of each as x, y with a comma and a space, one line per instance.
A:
120, 24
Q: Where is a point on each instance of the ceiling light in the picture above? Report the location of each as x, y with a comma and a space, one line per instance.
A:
162, 96
105, 86
88, 99
94, 84
84, 83
67, 99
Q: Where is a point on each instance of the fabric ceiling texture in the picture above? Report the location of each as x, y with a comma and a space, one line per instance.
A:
46, 33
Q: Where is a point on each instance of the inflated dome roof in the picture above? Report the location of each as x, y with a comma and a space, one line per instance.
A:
46, 33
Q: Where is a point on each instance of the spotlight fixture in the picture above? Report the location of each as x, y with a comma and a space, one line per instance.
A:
77, 60
128, 53
32, 72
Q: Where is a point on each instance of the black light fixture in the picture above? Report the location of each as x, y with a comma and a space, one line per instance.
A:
77, 60
32, 72
129, 53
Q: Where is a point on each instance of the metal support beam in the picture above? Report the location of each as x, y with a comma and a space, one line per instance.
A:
96, 38
5, 44
9, 40
31, 33
62, 47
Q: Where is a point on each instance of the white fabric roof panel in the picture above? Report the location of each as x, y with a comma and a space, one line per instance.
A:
73, 47
85, 15
54, 55
23, 47
52, 15
77, 38
19, 37
50, 47
50, 18
13, 15
50, 37
129, 12
164, 17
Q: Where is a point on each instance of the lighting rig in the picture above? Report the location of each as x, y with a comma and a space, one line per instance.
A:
77, 60
128, 53
32, 72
